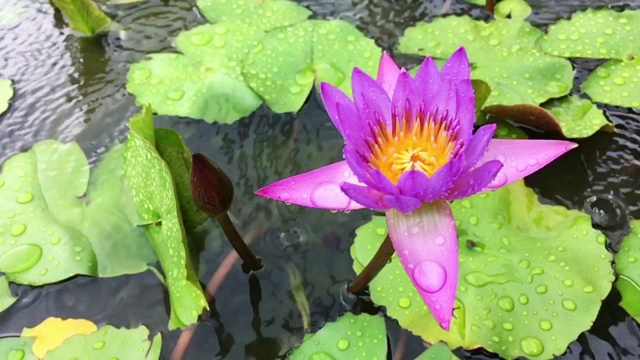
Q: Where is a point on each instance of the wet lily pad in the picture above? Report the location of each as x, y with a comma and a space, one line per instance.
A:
52, 332
6, 298
352, 336
259, 14
283, 67
51, 232
154, 195
84, 16
506, 130
515, 9
532, 276
616, 83
437, 352
628, 267
6, 93
503, 53
16, 348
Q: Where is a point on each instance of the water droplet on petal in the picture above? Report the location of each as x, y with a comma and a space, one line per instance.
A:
439, 240
429, 276
329, 195
499, 181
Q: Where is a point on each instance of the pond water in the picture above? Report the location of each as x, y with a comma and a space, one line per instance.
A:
71, 88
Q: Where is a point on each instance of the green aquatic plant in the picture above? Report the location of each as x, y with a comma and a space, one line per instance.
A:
628, 268
514, 9
6, 298
6, 93
84, 16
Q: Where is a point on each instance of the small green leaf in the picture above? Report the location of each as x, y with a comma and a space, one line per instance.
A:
437, 352
107, 343
283, 67
506, 130
596, 34
531, 278
6, 93
615, 82
84, 16
477, 2
628, 267
6, 299
259, 14
578, 118
515, 9
14, 348
356, 337
154, 195
503, 54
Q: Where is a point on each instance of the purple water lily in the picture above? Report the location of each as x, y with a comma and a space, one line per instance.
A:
409, 150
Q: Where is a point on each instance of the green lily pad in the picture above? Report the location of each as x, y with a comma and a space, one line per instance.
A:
108, 343
175, 153
259, 14
154, 195
283, 67
437, 352
350, 337
531, 277
6, 299
578, 118
6, 93
615, 82
84, 16
503, 54
595, 34
50, 232
505, 130
16, 348
628, 268
515, 9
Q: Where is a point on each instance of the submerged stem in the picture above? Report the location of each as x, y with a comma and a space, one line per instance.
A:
249, 261
489, 6
380, 259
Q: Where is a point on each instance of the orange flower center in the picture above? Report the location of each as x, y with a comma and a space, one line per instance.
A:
424, 144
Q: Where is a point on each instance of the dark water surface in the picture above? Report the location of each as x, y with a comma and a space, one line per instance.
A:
71, 88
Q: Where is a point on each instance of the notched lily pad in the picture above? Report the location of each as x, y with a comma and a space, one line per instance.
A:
259, 14
532, 276
570, 116
503, 53
6, 93
615, 82
628, 268
154, 195
284, 66
515, 9
84, 16
352, 336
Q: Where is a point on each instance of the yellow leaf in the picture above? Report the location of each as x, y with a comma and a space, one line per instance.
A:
53, 331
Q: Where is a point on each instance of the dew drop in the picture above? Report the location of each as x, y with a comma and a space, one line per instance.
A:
200, 39
439, 240
569, 304
17, 354
175, 95
321, 355
587, 289
507, 326
473, 220
285, 196
98, 345
381, 231
329, 195
541, 289
619, 80
20, 258
139, 74
523, 299
404, 302
632, 259
490, 324
545, 325
499, 181
505, 303
556, 87
295, 89
24, 198
568, 282
429, 276
343, 344
18, 229
531, 346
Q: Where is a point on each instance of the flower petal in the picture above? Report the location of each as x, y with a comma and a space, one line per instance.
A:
365, 196
465, 107
427, 245
475, 180
401, 203
343, 113
428, 82
372, 102
319, 188
521, 158
428, 189
406, 98
388, 73
457, 67
477, 146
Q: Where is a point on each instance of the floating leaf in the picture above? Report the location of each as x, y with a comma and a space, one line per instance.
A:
154, 195
6, 298
350, 337
6, 93
83, 16
283, 67
53, 331
532, 276
506, 130
503, 54
108, 343
615, 82
628, 267
437, 352
515, 9
258, 14
14, 348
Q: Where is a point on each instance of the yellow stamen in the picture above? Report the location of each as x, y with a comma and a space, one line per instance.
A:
423, 144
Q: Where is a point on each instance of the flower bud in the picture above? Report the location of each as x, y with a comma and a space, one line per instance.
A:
211, 188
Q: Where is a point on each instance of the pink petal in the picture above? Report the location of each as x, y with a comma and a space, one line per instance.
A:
388, 73
319, 188
521, 158
426, 242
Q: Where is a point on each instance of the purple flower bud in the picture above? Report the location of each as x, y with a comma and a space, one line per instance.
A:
211, 188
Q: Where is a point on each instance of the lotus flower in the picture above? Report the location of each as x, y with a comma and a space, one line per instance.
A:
410, 150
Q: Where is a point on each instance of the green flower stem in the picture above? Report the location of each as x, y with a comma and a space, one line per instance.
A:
380, 259
249, 261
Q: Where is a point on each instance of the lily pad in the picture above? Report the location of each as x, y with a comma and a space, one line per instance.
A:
84, 16
154, 195
50, 232
259, 14
503, 54
6, 298
16, 348
532, 276
6, 93
437, 352
107, 343
506, 130
283, 67
515, 9
615, 82
628, 268
350, 337
52, 332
